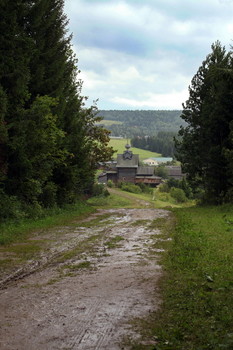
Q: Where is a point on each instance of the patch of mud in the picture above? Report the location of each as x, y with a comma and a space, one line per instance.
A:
92, 308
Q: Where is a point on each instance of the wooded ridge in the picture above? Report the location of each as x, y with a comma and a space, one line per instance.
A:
141, 122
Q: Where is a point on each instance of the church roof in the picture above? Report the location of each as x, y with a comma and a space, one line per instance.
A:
123, 162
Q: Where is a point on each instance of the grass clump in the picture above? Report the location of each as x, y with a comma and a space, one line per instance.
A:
197, 289
114, 242
81, 265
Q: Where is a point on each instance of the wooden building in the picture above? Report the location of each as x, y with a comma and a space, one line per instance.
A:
127, 169
174, 172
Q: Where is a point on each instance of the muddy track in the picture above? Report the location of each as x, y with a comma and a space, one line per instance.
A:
87, 298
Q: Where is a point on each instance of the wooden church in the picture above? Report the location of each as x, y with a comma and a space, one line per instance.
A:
127, 169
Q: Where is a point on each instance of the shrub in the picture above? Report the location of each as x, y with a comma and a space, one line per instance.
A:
164, 187
10, 207
178, 194
49, 195
99, 190
183, 184
129, 187
145, 188
110, 183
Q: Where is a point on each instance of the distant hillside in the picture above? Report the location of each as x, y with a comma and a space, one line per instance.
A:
130, 123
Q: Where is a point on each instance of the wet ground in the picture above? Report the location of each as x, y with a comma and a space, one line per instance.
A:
87, 286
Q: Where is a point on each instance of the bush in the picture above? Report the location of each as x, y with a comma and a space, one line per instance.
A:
145, 188
99, 190
49, 195
129, 187
178, 194
164, 187
110, 183
10, 207
183, 184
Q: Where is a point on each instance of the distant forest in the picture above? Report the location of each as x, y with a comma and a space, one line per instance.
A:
162, 143
142, 123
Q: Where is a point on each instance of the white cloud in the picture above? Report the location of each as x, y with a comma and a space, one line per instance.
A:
154, 101
143, 54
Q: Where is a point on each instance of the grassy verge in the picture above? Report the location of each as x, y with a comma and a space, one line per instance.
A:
156, 199
19, 231
197, 287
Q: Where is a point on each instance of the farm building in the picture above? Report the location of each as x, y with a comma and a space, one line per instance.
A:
127, 169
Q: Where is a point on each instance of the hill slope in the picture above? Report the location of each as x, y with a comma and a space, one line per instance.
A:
139, 122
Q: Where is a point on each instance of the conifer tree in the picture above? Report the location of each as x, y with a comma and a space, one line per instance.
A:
208, 113
48, 140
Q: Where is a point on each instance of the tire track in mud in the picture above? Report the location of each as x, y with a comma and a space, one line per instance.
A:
91, 309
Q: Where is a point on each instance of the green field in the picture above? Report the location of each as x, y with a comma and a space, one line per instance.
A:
119, 146
106, 122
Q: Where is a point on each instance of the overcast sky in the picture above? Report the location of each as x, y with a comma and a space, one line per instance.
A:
142, 54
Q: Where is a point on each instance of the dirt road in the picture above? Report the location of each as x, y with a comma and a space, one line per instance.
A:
87, 286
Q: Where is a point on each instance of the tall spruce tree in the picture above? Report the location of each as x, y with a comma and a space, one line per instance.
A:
54, 73
50, 139
15, 48
208, 113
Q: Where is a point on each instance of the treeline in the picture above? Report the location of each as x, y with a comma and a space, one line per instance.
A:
143, 123
206, 145
162, 143
49, 141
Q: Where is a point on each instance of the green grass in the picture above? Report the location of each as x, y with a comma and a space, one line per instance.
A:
19, 231
120, 198
119, 146
197, 287
112, 201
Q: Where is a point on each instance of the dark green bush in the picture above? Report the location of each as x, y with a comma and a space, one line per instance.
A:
145, 188
49, 195
10, 207
178, 194
183, 184
99, 190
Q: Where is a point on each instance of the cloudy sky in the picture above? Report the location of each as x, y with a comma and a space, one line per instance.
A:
142, 54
